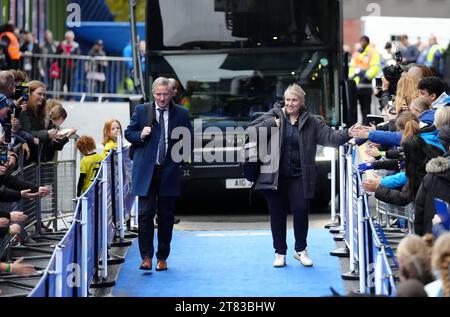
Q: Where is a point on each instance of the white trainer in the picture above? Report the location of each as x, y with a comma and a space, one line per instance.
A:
303, 257
280, 260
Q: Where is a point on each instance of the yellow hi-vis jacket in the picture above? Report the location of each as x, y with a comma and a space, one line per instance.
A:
366, 64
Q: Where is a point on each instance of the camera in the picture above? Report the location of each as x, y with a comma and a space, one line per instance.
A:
3, 154
21, 91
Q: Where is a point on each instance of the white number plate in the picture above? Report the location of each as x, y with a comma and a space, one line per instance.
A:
237, 183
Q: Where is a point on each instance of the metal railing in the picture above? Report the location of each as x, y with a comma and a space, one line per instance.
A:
369, 242
84, 77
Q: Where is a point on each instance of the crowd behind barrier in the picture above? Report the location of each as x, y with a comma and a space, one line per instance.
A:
99, 220
368, 234
83, 76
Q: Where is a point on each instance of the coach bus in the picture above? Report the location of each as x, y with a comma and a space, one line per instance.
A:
234, 59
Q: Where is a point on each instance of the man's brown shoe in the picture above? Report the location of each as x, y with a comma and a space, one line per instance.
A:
146, 264
161, 265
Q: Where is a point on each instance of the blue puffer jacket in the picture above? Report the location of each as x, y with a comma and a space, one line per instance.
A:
427, 116
395, 181
394, 138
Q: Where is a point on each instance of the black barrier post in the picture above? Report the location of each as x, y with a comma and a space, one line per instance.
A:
38, 226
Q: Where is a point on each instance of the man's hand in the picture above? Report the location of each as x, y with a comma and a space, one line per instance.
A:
18, 216
26, 151
145, 132
4, 222
36, 141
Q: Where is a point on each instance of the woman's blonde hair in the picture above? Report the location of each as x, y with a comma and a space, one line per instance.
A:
422, 104
40, 111
107, 130
412, 245
440, 260
408, 123
442, 117
296, 90
407, 91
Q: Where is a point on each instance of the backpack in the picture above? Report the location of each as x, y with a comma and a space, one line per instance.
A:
150, 117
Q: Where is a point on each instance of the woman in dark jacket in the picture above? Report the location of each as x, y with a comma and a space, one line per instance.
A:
436, 184
288, 171
35, 120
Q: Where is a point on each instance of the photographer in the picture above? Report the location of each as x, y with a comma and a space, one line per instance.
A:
7, 91
388, 90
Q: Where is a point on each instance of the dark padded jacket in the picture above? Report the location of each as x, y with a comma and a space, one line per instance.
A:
435, 184
313, 131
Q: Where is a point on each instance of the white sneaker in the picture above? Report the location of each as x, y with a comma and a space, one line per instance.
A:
303, 258
280, 260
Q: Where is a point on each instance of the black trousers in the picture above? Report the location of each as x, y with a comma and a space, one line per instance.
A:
164, 207
288, 196
365, 100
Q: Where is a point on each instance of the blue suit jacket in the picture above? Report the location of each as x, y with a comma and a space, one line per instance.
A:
144, 159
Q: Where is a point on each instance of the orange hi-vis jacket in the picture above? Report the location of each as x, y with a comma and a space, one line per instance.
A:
368, 61
13, 47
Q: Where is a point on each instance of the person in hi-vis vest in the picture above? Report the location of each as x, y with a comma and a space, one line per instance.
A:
11, 42
364, 66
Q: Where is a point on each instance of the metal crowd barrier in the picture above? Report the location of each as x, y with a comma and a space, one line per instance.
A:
46, 214
371, 258
81, 257
83, 76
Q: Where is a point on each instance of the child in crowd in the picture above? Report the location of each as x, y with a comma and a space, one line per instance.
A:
413, 255
56, 117
111, 130
90, 163
440, 261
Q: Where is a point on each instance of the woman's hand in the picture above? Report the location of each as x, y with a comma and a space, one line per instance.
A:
277, 122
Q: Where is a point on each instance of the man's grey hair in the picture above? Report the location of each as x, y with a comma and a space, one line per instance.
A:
6, 80
162, 81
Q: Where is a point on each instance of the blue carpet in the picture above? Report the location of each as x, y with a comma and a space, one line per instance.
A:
232, 264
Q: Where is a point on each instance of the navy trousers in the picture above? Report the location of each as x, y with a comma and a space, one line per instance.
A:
288, 196
164, 207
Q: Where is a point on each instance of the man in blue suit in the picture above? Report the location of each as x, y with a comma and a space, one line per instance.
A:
156, 176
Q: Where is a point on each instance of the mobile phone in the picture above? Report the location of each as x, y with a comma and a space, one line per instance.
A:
378, 82
374, 119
